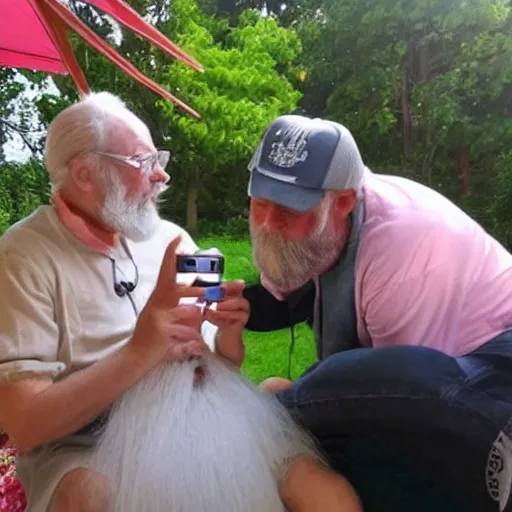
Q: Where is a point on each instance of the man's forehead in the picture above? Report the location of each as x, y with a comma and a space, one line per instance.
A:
128, 135
126, 140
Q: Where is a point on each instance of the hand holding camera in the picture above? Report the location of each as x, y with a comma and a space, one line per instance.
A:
222, 303
168, 329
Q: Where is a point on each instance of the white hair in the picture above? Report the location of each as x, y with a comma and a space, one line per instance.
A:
82, 127
220, 445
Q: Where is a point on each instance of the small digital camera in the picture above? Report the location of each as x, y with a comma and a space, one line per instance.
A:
209, 267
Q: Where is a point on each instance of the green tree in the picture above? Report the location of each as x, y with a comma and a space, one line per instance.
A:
500, 209
243, 88
23, 187
18, 117
424, 85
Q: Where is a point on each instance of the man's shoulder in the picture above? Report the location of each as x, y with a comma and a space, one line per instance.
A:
29, 247
32, 233
400, 209
169, 230
410, 228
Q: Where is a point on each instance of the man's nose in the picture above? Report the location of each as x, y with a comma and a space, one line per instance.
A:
159, 175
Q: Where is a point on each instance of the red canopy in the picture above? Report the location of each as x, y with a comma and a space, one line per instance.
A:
33, 35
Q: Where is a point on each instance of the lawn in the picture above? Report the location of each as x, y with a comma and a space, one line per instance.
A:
266, 353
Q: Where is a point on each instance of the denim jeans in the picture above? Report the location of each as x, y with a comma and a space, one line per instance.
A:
413, 428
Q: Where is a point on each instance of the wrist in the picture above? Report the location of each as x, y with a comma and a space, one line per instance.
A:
136, 359
229, 344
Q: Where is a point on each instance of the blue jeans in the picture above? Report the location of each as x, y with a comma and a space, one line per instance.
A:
413, 428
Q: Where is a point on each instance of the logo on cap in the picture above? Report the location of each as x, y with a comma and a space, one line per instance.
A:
291, 149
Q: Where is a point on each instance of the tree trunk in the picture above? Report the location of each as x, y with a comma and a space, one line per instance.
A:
463, 169
192, 193
423, 64
430, 151
406, 114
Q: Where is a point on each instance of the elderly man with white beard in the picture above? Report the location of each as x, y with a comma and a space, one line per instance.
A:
410, 301
104, 370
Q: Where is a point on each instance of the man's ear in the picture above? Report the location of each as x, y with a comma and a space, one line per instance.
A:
344, 202
81, 174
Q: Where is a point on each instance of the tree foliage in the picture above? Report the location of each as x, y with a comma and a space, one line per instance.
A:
239, 93
23, 187
424, 85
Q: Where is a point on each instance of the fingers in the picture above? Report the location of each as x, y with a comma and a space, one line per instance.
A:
229, 311
226, 317
233, 288
180, 333
166, 289
167, 275
234, 310
187, 350
185, 313
233, 304
185, 342
183, 292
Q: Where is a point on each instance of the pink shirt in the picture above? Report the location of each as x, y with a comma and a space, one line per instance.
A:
426, 273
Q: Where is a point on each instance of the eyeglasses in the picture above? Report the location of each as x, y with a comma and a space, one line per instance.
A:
145, 163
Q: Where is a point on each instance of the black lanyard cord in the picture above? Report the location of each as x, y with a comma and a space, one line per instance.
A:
292, 344
123, 288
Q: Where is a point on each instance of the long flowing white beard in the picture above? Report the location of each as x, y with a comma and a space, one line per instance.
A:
219, 446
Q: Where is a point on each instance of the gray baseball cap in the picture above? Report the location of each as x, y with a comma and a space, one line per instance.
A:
299, 158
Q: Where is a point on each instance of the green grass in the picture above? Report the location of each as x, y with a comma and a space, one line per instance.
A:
266, 353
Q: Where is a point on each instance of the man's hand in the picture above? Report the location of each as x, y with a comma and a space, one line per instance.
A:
230, 315
167, 330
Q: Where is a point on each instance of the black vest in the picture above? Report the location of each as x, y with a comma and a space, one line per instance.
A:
336, 327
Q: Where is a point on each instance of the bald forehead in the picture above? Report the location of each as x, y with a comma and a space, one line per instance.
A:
129, 137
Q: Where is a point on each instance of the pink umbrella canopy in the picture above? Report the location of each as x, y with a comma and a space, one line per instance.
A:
33, 35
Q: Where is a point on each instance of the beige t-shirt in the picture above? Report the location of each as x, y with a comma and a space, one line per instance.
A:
58, 308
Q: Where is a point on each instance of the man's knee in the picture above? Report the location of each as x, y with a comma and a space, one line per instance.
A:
376, 371
275, 384
81, 490
401, 360
311, 486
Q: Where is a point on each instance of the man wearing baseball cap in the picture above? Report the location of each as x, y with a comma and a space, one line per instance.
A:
410, 301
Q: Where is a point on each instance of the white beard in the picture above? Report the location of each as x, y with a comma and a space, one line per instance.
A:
136, 220
218, 446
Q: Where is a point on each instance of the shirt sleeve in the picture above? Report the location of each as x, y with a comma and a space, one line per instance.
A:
423, 310
413, 281
187, 243
415, 296
170, 231
269, 314
29, 334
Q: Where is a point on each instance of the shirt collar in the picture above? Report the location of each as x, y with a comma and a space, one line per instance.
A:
88, 233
